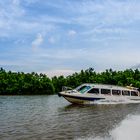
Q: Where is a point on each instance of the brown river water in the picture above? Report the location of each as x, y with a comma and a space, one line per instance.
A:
53, 118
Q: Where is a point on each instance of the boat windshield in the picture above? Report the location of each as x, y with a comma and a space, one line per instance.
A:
83, 89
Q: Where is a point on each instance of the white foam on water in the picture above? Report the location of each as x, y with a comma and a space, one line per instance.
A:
115, 101
128, 129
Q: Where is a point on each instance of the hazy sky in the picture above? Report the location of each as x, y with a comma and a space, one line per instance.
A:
64, 36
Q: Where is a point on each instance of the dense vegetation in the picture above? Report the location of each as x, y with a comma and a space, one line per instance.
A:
19, 83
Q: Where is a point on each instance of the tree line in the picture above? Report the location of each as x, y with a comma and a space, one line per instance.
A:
19, 83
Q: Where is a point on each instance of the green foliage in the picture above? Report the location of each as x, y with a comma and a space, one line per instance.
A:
122, 78
12, 83
23, 84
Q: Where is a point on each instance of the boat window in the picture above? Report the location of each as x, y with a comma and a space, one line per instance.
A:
126, 92
81, 88
84, 89
105, 91
116, 92
134, 93
94, 90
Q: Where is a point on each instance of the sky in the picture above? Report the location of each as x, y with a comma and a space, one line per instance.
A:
64, 36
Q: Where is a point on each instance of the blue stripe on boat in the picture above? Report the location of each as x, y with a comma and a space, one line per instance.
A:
83, 98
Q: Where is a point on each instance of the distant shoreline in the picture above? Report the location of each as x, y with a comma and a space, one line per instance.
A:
20, 83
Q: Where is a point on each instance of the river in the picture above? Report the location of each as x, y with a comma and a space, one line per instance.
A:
53, 118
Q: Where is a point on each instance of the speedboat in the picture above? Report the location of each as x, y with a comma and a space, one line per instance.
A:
89, 93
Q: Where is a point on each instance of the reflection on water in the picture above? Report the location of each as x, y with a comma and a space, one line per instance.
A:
50, 117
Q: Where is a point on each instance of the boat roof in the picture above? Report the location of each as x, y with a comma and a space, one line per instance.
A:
109, 86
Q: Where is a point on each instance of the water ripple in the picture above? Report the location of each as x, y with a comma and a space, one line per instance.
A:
50, 117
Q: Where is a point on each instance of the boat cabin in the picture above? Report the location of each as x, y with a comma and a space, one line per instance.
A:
107, 90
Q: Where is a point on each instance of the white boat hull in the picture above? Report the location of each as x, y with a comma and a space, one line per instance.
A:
88, 99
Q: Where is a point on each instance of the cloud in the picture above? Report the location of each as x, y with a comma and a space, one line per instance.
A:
37, 42
51, 40
78, 31
72, 32
59, 72
15, 15
108, 12
16, 2
136, 66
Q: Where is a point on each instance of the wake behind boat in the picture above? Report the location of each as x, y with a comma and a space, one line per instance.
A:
90, 93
